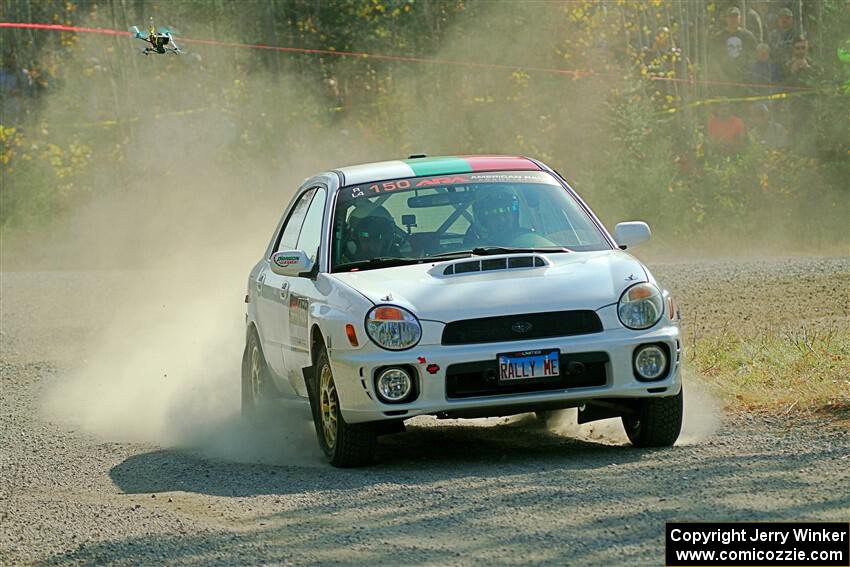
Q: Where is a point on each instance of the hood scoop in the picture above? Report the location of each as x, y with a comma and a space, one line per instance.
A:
489, 264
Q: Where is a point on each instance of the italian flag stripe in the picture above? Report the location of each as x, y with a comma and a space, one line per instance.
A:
468, 164
439, 165
500, 163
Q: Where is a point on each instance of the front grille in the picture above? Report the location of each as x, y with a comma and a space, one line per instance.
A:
474, 379
521, 327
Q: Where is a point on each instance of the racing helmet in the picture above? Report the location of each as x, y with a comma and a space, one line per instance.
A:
496, 211
371, 231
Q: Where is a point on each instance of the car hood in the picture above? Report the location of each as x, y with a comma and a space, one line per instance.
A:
573, 280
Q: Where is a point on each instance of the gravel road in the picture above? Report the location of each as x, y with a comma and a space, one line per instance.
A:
505, 491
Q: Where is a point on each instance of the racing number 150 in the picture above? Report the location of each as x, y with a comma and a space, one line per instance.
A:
389, 186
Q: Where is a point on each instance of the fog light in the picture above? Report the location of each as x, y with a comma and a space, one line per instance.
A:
394, 384
650, 362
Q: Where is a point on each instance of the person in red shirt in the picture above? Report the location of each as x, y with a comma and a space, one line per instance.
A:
725, 132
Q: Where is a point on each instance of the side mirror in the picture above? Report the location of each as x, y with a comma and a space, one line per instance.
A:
631, 233
290, 262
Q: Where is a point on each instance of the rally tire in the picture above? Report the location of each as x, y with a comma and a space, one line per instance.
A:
656, 422
255, 376
344, 445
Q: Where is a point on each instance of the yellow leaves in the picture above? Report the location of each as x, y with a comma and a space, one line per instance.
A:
10, 142
520, 78
7, 134
65, 162
77, 158
764, 182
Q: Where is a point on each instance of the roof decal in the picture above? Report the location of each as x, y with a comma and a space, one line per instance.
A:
501, 163
438, 165
366, 172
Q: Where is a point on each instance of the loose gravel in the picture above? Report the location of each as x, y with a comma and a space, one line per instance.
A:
444, 493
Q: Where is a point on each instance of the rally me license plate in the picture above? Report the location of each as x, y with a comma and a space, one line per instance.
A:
529, 365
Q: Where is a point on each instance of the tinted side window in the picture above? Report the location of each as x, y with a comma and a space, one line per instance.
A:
311, 233
289, 236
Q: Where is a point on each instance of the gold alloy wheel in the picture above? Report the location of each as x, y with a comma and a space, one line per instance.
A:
327, 406
256, 377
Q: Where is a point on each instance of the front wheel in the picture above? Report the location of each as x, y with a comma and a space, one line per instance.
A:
344, 444
656, 422
255, 375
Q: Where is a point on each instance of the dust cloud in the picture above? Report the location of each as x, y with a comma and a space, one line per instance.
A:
702, 418
179, 217
169, 255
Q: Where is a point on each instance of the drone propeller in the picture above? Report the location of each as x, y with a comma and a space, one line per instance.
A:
167, 31
135, 30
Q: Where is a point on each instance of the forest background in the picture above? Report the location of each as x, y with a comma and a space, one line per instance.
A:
202, 145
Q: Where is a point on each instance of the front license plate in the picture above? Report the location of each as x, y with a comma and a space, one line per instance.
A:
529, 365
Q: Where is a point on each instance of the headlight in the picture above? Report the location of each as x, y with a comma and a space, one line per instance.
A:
640, 306
393, 328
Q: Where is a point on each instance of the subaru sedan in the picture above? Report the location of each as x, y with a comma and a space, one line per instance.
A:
457, 287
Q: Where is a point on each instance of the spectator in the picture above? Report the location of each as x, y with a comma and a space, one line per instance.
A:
765, 131
799, 66
764, 71
782, 38
734, 50
725, 132
801, 73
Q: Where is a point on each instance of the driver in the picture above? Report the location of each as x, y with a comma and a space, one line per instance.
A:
496, 215
372, 235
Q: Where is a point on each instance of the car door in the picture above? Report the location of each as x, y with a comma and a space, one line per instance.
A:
302, 294
273, 293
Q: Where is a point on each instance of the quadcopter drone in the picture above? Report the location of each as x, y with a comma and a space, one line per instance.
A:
161, 40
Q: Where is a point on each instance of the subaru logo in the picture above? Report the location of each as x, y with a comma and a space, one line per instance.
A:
521, 327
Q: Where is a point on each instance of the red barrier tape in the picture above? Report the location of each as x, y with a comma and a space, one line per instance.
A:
59, 27
574, 73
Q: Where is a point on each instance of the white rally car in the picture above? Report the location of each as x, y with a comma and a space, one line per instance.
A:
468, 286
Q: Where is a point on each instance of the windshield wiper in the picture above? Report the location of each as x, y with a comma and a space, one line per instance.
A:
380, 262
388, 261
493, 250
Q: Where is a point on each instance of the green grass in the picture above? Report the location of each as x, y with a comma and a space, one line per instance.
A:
801, 370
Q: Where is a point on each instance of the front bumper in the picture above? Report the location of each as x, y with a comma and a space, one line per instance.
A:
354, 372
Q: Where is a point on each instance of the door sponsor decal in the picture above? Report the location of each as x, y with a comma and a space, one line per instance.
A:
298, 320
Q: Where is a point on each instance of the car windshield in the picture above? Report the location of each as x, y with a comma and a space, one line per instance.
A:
408, 220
